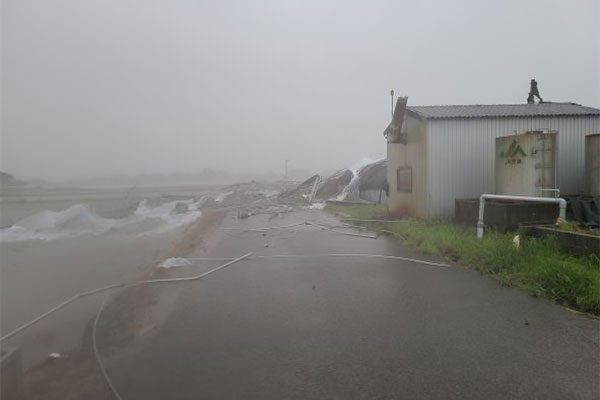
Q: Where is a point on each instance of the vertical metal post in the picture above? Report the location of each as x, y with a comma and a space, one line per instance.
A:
392, 94
480, 224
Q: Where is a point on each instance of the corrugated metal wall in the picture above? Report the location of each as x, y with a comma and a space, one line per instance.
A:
461, 155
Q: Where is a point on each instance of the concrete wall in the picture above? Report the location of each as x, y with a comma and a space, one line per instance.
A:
461, 155
413, 154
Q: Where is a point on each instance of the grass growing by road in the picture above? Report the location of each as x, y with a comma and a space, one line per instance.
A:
538, 265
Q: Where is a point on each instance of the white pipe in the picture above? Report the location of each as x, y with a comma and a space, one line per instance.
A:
97, 353
340, 232
373, 220
257, 257
116, 285
562, 203
352, 255
555, 191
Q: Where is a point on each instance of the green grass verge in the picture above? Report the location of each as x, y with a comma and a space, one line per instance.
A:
538, 266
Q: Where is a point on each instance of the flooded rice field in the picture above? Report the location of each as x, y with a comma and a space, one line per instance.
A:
55, 243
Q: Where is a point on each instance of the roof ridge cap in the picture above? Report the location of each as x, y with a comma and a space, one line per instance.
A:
499, 104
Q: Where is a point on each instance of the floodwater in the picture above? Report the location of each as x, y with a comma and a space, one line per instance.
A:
315, 326
324, 323
55, 243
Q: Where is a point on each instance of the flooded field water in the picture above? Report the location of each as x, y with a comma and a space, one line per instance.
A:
71, 240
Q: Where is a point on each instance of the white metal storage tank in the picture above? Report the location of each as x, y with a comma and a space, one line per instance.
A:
449, 152
526, 164
592, 164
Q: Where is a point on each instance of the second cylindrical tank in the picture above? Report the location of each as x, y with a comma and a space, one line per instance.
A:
526, 164
592, 164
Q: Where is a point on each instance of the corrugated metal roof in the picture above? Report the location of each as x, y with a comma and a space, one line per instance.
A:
503, 110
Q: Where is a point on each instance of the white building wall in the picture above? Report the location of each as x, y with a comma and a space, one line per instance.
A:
412, 154
461, 155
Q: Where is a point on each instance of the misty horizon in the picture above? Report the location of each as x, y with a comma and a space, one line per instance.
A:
100, 89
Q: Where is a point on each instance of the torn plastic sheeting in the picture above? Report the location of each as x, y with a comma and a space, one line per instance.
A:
175, 262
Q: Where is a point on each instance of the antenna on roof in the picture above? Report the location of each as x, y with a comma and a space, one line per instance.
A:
392, 94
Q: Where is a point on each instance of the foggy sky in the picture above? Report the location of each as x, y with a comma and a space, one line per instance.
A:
101, 87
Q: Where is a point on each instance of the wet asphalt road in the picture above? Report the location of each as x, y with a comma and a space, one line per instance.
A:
348, 328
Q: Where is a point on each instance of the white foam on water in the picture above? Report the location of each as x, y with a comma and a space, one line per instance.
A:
169, 215
51, 225
175, 262
222, 196
80, 220
317, 206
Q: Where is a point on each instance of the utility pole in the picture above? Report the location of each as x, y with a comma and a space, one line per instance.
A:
392, 94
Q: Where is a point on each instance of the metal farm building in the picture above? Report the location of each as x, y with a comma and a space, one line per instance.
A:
447, 152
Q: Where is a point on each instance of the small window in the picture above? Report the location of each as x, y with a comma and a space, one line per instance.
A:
404, 179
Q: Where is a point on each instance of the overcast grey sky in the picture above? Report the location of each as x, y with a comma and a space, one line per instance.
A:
101, 87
